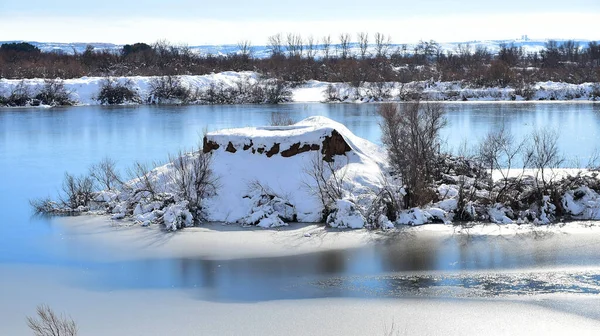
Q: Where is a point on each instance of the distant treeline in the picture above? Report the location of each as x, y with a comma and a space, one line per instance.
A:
296, 59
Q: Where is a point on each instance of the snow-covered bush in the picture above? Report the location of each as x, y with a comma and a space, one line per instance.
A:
246, 91
345, 214
168, 90
582, 203
20, 95
267, 209
192, 179
326, 181
54, 93
77, 193
332, 94
114, 92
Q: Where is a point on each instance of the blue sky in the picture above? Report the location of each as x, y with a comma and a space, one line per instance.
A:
229, 21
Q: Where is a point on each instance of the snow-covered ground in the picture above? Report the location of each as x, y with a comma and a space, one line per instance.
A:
85, 90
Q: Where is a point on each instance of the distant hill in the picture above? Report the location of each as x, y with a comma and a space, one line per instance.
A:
529, 45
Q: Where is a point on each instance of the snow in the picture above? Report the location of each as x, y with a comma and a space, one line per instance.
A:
286, 177
498, 215
259, 187
85, 90
582, 203
346, 215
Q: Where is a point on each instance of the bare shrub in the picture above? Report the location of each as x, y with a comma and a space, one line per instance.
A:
76, 195
332, 93
77, 191
411, 135
193, 179
500, 151
280, 119
142, 184
275, 91
105, 174
20, 95
544, 154
44, 205
595, 92
54, 93
386, 202
326, 181
380, 90
48, 323
264, 91
113, 92
167, 89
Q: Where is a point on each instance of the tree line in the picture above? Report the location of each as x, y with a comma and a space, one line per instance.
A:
296, 59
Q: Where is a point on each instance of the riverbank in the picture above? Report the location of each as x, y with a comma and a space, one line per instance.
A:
237, 87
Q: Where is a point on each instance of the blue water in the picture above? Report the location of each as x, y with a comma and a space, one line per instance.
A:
38, 145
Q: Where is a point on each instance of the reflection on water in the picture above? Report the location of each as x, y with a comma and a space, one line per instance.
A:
446, 266
38, 145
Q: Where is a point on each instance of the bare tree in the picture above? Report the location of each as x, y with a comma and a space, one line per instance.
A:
294, 45
326, 44
105, 174
245, 48
545, 155
310, 47
411, 134
48, 323
382, 45
275, 44
344, 46
363, 44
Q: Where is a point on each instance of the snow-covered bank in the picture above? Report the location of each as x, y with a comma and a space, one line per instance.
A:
85, 90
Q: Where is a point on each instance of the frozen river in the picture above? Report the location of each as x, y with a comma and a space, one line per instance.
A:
413, 280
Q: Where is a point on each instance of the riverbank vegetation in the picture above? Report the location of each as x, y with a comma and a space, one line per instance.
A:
370, 69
